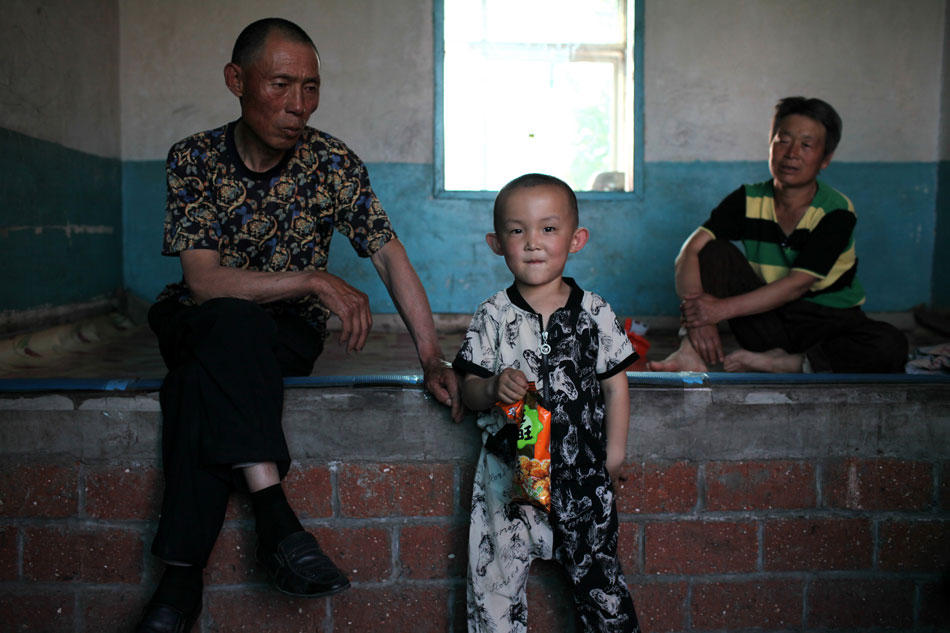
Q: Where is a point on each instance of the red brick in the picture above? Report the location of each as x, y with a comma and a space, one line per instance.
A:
878, 484
922, 546
852, 603
775, 604
661, 606
266, 611
43, 610
133, 492
310, 492
817, 544
63, 554
110, 610
364, 554
384, 490
431, 552
700, 547
760, 486
655, 487
39, 491
628, 548
550, 605
239, 508
393, 608
8, 553
234, 559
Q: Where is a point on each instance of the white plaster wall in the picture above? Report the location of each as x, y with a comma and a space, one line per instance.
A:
945, 95
714, 70
59, 72
376, 71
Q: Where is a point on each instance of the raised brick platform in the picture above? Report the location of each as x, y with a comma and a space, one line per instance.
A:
769, 507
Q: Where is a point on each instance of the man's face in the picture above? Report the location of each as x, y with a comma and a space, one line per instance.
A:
279, 90
797, 151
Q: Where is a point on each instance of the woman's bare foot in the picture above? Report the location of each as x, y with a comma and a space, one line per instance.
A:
686, 358
774, 361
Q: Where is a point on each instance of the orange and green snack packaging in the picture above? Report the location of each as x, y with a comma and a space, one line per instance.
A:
532, 480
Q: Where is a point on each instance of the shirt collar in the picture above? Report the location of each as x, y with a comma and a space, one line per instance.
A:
573, 301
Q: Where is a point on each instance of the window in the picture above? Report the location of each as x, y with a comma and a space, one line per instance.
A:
536, 86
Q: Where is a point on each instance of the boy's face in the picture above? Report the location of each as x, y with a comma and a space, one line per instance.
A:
536, 234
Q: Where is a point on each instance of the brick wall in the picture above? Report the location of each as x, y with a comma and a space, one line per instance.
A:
805, 542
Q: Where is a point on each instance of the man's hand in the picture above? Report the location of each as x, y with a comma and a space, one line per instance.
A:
702, 309
443, 384
511, 385
348, 303
705, 340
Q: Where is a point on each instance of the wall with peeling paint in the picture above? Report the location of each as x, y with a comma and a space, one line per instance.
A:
61, 211
712, 72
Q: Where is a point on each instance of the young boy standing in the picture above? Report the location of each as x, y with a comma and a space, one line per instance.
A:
546, 330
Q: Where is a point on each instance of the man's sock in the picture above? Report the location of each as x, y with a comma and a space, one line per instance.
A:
276, 520
180, 587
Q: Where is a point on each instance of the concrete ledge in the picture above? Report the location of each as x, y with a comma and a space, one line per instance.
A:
675, 421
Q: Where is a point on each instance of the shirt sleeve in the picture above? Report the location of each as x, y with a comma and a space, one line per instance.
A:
726, 220
615, 351
479, 349
826, 242
360, 216
191, 216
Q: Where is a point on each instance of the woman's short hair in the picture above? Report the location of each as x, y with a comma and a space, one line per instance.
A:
815, 109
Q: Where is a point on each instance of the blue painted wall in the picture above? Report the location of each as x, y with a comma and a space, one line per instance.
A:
941, 258
60, 224
633, 239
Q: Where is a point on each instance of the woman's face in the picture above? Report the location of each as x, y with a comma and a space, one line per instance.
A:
797, 151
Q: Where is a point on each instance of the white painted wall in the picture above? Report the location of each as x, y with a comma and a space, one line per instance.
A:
376, 70
945, 95
59, 72
715, 69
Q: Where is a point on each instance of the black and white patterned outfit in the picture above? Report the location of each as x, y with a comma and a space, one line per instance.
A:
582, 345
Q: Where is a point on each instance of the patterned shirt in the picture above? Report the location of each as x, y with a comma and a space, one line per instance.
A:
582, 345
821, 245
279, 220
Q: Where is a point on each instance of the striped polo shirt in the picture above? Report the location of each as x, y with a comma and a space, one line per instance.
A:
822, 244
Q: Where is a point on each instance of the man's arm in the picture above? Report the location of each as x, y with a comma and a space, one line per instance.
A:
400, 278
208, 279
617, 400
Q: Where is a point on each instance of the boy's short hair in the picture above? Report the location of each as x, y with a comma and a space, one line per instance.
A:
814, 109
533, 180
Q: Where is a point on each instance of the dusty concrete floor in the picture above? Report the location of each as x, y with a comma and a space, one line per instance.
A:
112, 346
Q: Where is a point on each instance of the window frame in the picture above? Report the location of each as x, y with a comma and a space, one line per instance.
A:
634, 30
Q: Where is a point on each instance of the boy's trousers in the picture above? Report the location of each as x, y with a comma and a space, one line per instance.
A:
221, 406
840, 340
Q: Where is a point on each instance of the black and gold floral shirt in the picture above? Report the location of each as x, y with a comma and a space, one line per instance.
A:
279, 220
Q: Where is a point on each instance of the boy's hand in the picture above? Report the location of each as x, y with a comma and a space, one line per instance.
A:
510, 385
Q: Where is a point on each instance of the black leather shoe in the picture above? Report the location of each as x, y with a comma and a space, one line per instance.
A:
163, 618
300, 568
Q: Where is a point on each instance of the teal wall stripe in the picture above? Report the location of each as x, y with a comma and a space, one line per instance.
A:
633, 239
60, 224
941, 256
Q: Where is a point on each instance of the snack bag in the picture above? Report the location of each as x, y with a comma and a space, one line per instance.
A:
532, 481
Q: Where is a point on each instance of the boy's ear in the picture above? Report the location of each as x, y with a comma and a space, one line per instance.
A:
579, 239
494, 243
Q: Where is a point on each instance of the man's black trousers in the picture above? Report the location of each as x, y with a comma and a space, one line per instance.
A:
221, 406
